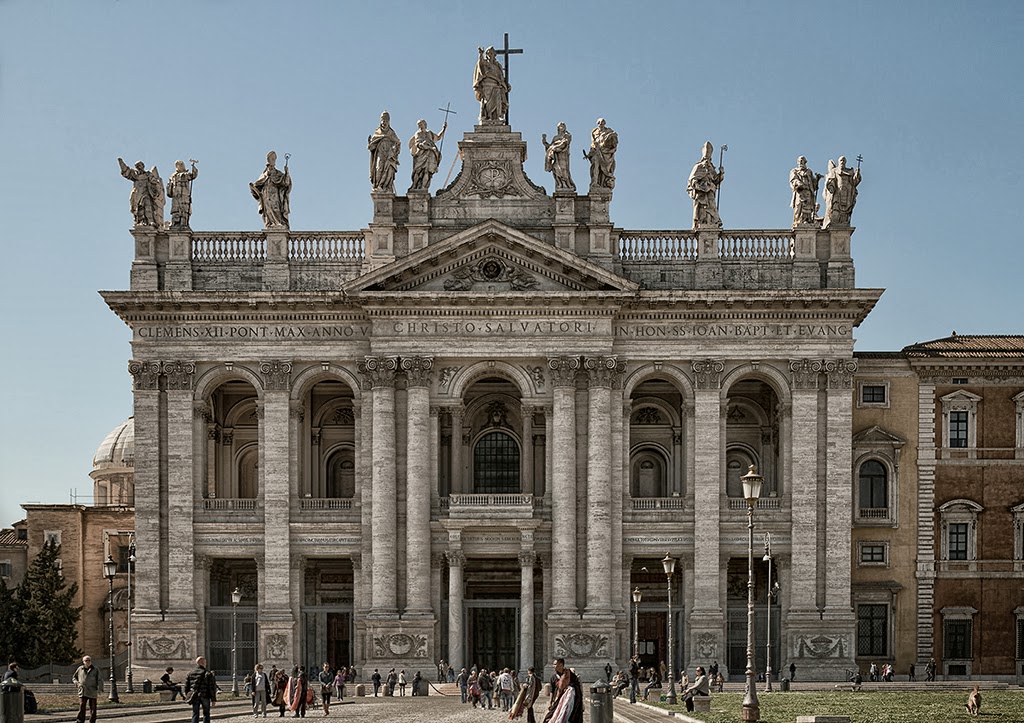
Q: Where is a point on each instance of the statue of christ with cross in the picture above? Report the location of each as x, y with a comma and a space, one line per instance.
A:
490, 81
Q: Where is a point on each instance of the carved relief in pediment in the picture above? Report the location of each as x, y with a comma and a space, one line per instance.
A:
490, 269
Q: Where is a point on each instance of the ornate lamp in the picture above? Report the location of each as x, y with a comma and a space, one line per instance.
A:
752, 482
669, 563
109, 572
236, 597
637, 596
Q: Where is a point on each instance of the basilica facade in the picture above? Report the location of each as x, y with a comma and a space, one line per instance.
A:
471, 430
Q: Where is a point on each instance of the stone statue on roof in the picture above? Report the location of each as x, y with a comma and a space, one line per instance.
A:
603, 144
383, 145
179, 190
147, 196
702, 187
804, 183
556, 158
426, 157
840, 193
271, 191
490, 86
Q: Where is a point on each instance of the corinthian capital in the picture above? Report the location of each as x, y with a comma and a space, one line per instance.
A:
379, 371
604, 371
707, 373
563, 370
805, 373
418, 370
456, 558
180, 375
277, 375
840, 373
145, 375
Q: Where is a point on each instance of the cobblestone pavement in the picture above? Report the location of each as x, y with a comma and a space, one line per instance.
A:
429, 709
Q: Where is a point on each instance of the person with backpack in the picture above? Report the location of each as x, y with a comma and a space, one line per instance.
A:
201, 690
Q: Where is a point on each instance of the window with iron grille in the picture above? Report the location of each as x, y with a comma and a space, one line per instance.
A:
958, 429
872, 394
496, 465
874, 487
872, 629
957, 643
873, 554
1020, 638
958, 541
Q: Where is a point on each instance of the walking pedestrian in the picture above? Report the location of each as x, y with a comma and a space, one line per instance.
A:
260, 691
463, 682
375, 679
201, 690
326, 678
280, 700
634, 678
402, 683
87, 678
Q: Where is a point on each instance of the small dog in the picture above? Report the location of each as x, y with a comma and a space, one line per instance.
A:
974, 702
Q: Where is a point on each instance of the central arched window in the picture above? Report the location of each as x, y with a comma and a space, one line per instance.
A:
341, 480
496, 464
874, 488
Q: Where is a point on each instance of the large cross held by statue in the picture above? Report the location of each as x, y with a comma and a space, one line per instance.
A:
507, 51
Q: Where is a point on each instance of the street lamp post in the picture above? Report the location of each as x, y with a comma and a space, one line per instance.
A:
752, 482
236, 597
773, 590
669, 563
109, 572
637, 595
131, 568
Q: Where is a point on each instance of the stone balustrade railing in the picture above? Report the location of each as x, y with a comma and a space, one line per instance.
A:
658, 245
642, 504
230, 247
756, 245
324, 503
230, 504
326, 246
481, 500
765, 503
873, 513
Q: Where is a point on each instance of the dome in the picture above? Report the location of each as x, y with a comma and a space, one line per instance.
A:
118, 449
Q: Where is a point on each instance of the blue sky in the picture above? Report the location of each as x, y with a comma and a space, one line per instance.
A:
928, 92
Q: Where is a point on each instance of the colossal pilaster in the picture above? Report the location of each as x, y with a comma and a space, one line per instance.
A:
380, 371
563, 484
417, 485
181, 423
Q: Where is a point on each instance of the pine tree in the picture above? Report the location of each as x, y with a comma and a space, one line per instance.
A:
49, 619
11, 638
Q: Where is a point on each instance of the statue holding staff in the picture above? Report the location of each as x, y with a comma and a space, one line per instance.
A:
490, 86
804, 183
603, 144
271, 191
179, 190
426, 157
147, 197
383, 145
556, 158
840, 193
703, 186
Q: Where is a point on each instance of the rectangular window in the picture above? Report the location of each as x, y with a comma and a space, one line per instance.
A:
872, 394
958, 429
1020, 638
51, 536
872, 629
958, 541
122, 558
872, 554
6, 568
957, 645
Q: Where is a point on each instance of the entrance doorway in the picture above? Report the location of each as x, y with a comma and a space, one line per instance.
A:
492, 633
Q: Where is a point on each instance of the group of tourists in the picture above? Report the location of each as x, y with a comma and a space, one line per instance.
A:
503, 690
395, 681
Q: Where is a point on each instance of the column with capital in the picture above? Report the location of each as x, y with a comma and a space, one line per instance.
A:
275, 429
563, 484
839, 491
149, 590
380, 371
417, 485
803, 483
707, 619
600, 376
527, 559
527, 465
181, 487
455, 597
456, 471
616, 493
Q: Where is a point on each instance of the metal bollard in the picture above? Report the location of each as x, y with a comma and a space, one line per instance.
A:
12, 702
147, 686
601, 703
784, 685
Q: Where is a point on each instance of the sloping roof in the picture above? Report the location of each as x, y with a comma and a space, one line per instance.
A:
969, 346
9, 538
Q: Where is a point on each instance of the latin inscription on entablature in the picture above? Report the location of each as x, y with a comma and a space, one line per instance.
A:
654, 540
494, 328
252, 332
691, 330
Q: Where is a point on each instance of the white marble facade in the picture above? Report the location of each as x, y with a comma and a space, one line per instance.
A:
490, 410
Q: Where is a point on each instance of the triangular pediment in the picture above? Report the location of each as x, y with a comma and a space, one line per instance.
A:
873, 436
490, 258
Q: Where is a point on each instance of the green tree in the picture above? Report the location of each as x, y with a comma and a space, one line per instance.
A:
49, 618
11, 638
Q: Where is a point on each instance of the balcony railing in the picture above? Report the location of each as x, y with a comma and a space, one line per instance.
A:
645, 504
873, 513
505, 500
764, 503
325, 503
231, 504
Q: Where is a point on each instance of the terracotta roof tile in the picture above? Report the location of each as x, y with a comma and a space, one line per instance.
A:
9, 538
970, 346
